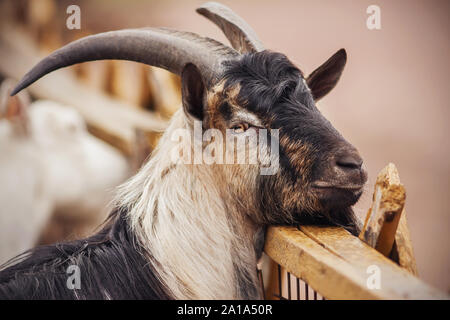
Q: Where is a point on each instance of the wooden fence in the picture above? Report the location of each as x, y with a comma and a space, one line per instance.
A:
305, 262
311, 262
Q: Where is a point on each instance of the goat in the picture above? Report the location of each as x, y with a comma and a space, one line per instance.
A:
196, 231
44, 145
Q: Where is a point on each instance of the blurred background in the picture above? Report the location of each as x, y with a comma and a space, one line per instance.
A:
391, 103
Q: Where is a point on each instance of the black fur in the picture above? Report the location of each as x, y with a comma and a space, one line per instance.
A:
111, 263
274, 88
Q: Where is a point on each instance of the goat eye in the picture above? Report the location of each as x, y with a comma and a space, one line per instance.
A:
242, 127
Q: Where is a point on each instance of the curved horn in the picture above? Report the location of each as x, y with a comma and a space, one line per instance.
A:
238, 32
164, 48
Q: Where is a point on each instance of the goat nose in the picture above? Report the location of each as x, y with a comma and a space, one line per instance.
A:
349, 161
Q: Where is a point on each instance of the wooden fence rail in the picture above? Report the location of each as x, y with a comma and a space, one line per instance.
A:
339, 265
112, 120
336, 265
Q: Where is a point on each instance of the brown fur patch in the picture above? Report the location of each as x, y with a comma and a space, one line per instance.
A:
299, 154
215, 98
301, 159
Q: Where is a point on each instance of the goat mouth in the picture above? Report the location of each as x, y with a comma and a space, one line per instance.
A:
329, 185
337, 195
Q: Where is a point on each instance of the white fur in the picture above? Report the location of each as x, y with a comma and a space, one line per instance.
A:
57, 166
180, 216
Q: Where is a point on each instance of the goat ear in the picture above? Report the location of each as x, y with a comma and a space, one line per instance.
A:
16, 107
193, 91
322, 80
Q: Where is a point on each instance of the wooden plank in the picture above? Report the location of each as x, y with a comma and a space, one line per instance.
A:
129, 83
166, 91
325, 272
335, 264
111, 120
394, 279
95, 74
390, 236
270, 278
384, 215
403, 252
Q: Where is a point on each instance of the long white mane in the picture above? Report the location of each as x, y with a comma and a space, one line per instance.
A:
179, 216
